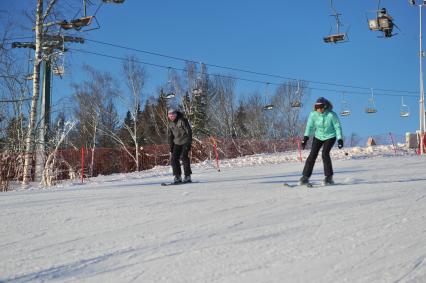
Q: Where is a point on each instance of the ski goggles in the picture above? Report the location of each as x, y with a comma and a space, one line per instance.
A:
319, 106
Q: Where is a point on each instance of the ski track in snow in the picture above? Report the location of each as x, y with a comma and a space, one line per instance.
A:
237, 225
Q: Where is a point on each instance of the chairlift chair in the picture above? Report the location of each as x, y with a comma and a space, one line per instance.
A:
59, 64
197, 91
79, 24
381, 22
269, 106
170, 93
296, 103
346, 110
371, 107
58, 70
338, 37
404, 110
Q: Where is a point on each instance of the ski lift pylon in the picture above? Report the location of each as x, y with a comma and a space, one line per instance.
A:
338, 37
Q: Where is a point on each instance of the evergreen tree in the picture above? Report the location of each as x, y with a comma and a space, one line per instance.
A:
124, 133
240, 121
109, 122
199, 105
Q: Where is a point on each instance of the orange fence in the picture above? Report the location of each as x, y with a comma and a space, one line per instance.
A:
73, 163
115, 160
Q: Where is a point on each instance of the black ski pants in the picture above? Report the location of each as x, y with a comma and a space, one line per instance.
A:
326, 148
181, 151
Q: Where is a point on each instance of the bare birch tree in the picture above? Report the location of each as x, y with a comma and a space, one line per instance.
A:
135, 79
36, 89
92, 98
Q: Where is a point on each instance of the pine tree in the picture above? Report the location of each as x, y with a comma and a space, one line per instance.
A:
123, 131
199, 105
240, 121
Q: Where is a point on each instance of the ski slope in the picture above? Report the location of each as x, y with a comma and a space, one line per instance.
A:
237, 225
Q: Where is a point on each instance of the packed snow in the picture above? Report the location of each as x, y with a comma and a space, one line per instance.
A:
237, 225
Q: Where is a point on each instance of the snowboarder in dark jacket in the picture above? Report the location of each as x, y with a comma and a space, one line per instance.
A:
180, 140
327, 128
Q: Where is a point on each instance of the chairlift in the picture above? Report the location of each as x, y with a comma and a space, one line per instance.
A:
404, 110
198, 88
270, 106
296, 103
338, 37
197, 91
371, 107
79, 23
59, 64
170, 93
382, 22
345, 108
58, 70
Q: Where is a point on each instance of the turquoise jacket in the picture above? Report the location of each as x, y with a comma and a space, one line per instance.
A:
326, 125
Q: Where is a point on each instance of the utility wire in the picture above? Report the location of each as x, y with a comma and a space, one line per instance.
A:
233, 77
242, 70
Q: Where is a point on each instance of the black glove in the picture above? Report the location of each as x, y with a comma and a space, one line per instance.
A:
305, 140
340, 143
171, 147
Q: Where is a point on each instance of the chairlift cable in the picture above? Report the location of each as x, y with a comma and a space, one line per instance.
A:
241, 70
234, 77
15, 100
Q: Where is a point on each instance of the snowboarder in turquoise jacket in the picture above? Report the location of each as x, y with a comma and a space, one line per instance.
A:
327, 129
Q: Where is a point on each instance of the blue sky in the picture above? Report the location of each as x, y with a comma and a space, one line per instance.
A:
277, 37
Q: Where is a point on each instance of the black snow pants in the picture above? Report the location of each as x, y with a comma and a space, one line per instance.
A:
178, 152
310, 162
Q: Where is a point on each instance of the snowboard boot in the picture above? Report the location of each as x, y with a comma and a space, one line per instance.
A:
187, 179
328, 181
304, 180
177, 179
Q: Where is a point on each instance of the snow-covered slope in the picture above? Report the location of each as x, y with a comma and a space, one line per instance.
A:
237, 225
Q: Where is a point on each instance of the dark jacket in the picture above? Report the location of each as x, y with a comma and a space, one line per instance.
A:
180, 131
